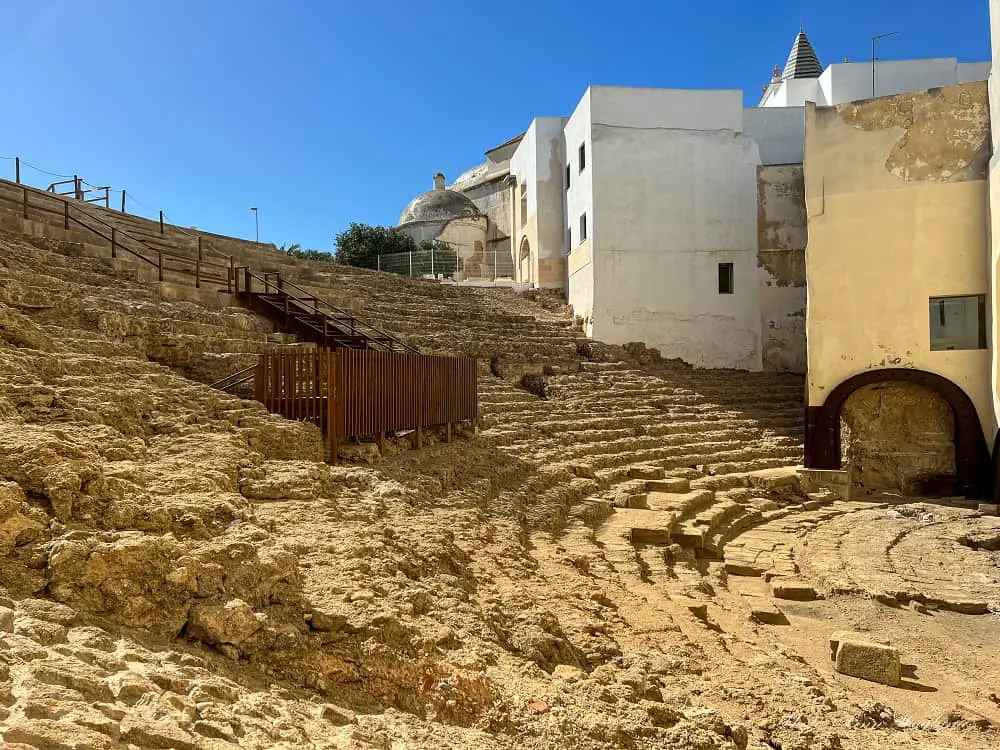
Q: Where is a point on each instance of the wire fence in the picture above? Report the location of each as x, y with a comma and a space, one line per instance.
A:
455, 263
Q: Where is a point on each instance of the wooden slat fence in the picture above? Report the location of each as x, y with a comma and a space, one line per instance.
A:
361, 392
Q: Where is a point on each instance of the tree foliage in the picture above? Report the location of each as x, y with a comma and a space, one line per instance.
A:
360, 244
296, 251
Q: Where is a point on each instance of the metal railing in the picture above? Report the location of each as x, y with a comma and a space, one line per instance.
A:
455, 263
292, 295
200, 266
79, 192
235, 380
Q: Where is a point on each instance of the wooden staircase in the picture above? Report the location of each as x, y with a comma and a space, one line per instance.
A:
296, 310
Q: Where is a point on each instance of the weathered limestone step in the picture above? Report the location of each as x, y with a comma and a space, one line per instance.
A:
683, 504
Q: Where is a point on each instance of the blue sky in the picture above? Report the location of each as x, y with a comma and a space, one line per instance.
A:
322, 113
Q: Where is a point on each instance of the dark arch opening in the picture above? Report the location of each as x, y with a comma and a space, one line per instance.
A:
973, 465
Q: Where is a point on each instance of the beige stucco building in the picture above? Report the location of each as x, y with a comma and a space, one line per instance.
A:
897, 280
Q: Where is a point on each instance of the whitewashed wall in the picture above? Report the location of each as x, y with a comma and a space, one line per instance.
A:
674, 191
848, 82
780, 133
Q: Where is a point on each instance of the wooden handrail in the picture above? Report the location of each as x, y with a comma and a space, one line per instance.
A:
357, 326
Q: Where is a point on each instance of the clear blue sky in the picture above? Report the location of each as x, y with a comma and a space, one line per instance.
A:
326, 112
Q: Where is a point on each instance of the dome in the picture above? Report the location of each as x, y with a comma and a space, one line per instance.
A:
438, 204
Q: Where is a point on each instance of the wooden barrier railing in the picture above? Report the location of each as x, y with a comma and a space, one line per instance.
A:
360, 392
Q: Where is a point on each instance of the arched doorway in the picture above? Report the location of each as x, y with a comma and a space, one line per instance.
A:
524, 261
900, 437
972, 464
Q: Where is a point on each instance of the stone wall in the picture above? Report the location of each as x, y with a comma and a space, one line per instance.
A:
899, 437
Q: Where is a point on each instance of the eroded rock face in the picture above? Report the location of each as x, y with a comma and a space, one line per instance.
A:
232, 622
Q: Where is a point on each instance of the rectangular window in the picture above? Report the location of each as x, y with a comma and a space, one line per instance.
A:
958, 322
567, 176
583, 156
725, 278
583, 227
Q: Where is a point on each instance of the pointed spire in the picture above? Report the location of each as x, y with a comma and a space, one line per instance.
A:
802, 60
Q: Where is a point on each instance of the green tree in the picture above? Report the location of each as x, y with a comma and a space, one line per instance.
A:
296, 251
360, 245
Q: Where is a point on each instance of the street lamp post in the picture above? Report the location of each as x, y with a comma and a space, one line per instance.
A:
256, 222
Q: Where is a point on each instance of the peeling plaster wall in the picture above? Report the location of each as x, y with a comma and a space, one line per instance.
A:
675, 195
493, 200
897, 213
899, 437
781, 266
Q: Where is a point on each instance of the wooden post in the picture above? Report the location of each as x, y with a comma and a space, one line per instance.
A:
77, 193
25, 202
200, 257
381, 443
420, 437
123, 201
114, 243
161, 222
159, 265
332, 405
197, 273
65, 214
246, 279
231, 276
17, 169
107, 197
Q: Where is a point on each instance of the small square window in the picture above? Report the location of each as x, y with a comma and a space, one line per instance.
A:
958, 322
583, 156
583, 227
725, 278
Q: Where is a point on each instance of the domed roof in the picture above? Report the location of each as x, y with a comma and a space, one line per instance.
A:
438, 204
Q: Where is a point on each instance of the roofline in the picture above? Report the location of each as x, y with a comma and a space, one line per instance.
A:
511, 142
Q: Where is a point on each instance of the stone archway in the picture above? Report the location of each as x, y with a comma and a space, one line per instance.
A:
524, 261
973, 470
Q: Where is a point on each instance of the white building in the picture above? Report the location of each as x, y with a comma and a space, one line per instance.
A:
677, 218
804, 79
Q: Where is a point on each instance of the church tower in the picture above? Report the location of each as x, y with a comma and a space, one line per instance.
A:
802, 60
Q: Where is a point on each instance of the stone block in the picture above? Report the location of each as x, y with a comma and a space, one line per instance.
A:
670, 484
869, 661
990, 508
645, 472
765, 612
743, 569
850, 635
641, 535
782, 588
